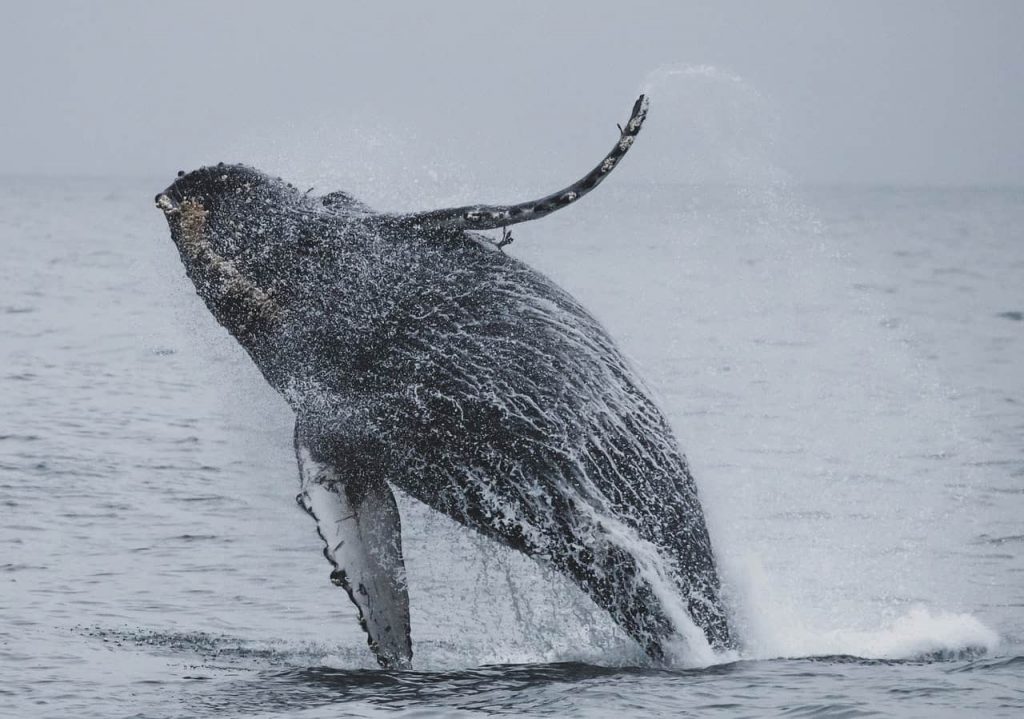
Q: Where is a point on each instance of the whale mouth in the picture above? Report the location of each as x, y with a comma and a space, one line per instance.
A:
167, 204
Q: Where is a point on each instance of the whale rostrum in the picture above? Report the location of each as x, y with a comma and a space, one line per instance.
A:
417, 357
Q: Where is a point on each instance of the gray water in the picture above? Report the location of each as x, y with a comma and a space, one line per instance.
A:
842, 366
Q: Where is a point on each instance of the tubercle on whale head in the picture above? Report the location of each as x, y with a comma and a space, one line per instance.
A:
213, 185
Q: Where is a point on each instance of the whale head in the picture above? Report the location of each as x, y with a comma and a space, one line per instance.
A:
226, 209
228, 223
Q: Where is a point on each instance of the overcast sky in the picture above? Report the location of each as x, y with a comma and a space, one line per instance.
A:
894, 92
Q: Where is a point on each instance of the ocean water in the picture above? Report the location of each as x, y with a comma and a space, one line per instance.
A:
843, 367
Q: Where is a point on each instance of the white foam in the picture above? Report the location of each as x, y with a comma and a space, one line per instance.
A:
772, 627
921, 632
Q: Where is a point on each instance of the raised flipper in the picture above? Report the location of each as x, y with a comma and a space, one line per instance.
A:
489, 217
358, 520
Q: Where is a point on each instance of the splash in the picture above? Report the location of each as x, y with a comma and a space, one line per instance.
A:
826, 452
659, 79
708, 126
774, 626
920, 634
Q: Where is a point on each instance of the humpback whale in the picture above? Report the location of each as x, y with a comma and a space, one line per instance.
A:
417, 354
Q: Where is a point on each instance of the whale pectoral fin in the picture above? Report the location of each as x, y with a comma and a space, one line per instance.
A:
490, 217
359, 523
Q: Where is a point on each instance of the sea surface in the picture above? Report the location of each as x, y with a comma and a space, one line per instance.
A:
843, 366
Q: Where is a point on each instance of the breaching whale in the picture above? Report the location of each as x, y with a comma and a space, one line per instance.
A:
417, 354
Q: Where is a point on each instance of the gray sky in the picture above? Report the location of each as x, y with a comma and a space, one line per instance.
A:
895, 92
